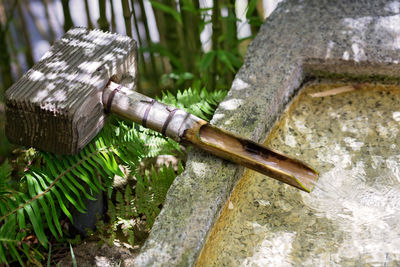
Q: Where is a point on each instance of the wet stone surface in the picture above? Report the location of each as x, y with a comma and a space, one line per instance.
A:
351, 217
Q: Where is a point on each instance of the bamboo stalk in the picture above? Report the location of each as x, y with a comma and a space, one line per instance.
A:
102, 21
254, 156
38, 25
231, 40
184, 51
50, 25
182, 126
5, 62
260, 10
3, 16
254, 27
25, 34
113, 23
160, 22
14, 54
214, 40
148, 39
192, 41
127, 17
231, 28
142, 63
68, 24
168, 29
196, 17
88, 18
135, 22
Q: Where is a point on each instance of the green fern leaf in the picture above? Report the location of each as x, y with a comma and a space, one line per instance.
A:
2, 254
5, 174
21, 219
34, 189
36, 223
58, 184
5, 171
15, 253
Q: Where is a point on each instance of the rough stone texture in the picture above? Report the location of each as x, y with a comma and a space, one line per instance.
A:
300, 39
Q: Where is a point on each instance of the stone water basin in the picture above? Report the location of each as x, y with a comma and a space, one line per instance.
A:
351, 136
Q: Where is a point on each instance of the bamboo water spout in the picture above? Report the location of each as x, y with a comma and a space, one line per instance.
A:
183, 126
63, 102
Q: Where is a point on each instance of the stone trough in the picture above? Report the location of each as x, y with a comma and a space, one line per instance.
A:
356, 41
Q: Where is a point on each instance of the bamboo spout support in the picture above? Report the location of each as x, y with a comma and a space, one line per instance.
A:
182, 126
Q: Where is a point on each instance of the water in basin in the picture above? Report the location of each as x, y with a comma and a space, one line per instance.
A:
351, 136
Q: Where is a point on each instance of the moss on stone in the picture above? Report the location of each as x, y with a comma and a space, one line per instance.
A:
350, 77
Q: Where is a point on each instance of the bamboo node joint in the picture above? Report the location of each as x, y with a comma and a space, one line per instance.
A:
147, 111
167, 121
110, 99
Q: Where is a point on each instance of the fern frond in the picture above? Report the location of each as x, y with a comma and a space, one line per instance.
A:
199, 102
12, 241
152, 189
5, 174
57, 183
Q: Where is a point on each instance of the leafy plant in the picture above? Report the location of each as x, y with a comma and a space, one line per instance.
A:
123, 215
53, 184
145, 200
197, 101
152, 189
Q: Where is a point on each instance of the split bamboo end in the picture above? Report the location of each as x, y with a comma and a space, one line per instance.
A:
254, 156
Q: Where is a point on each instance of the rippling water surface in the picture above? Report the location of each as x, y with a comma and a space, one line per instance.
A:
352, 218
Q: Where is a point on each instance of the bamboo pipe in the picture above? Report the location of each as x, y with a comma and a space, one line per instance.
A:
183, 126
